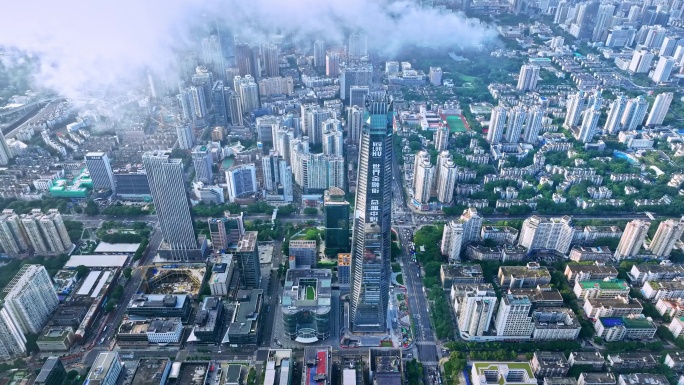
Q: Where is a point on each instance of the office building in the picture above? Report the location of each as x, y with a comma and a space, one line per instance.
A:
100, 170
668, 233
663, 69
602, 22
527, 80
659, 109
319, 53
549, 364
241, 181
105, 370
632, 239
475, 307
574, 107
132, 185
461, 274
209, 319
234, 104
358, 95
52, 372
247, 260
641, 62
332, 64
218, 98
608, 288
337, 235
435, 75
306, 304
546, 234
227, 230
318, 366
12, 339
270, 55
186, 135
303, 253
244, 58
358, 45
166, 177
424, 173
529, 276
372, 219
243, 328
213, 54
634, 113
159, 306
497, 125
13, 238
513, 317
354, 75
202, 161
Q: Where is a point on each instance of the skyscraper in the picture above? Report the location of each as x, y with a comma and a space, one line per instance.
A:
271, 57
202, 162
423, 178
372, 220
446, 179
218, 95
668, 233
30, 298
248, 90
241, 181
603, 19
234, 108
575, 106
358, 95
497, 125
615, 113
634, 113
632, 239
186, 135
167, 185
527, 80
337, 236
442, 138
358, 45
354, 124
663, 69
514, 124
332, 64
13, 238
357, 75
319, 53
213, 55
5, 154
659, 109
590, 119
476, 308
247, 258
244, 58
100, 170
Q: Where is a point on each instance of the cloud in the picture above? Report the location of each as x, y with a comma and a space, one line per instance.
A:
96, 44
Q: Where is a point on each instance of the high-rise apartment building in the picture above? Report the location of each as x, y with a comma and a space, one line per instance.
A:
602, 22
319, 53
186, 135
435, 76
663, 69
513, 318
202, 161
668, 47
12, 340
527, 80
270, 55
632, 239
476, 308
497, 125
337, 235
248, 90
668, 233
333, 140
54, 232
5, 153
372, 219
615, 113
213, 54
244, 57
13, 238
358, 45
166, 177
354, 75
277, 177
590, 118
332, 64
472, 224
554, 234
533, 124
452, 240
659, 109
100, 170
354, 124
641, 62
358, 95
241, 181
446, 180
423, 178
634, 114
234, 105
30, 298
575, 106
514, 124
442, 138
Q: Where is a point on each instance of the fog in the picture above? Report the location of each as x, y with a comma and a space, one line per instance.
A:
86, 45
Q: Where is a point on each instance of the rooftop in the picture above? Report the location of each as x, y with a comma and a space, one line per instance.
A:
117, 260
247, 242
246, 313
643, 379
451, 271
666, 285
307, 289
49, 364
609, 284
480, 367
150, 371
525, 271
158, 300
101, 366
104, 247
594, 269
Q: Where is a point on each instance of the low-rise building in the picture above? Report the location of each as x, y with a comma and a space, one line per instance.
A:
643, 272
672, 307
594, 360
675, 361
541, 296
555, 324
589, 272
559, 381
621, 306
502, 373
549, 364
152, 371
209, 319
499, 234
607, 288
279, 364
460, 275
530, 275
655, 290
676, 326
164, 331
631, 361
590, 253
159, 305
642, 379
56, 339
244, 326
596, 379
619, 328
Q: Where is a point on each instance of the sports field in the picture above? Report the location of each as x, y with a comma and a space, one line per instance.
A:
456, 123
310, 293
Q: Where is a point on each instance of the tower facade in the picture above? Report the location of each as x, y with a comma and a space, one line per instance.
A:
31, 298
527, 81
423, 178
659, 109
668, 233
575, 106
634, 113
497, 125
476, 310
337, 236
100, 170
632, 239
202, 161
167, 186
372, 220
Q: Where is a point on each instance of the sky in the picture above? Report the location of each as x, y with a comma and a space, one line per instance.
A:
86, 44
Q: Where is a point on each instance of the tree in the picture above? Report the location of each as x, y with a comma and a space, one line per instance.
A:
91, 208
310, 211
127, 272
81, 271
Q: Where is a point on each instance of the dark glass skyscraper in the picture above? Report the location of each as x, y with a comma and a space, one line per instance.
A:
337, 238
372, 220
